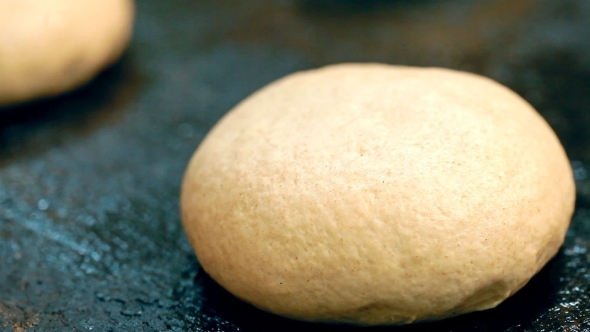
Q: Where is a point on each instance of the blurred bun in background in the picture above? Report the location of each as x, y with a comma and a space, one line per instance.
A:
53, 46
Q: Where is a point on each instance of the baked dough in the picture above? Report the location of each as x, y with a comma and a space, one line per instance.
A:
48, 47
375, 194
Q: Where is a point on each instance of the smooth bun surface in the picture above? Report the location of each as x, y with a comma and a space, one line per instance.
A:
376, 194
48, 47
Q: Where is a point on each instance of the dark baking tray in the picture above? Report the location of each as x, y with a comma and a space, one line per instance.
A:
90, 235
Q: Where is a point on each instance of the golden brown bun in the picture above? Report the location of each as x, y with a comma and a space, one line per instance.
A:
376, 194
48, 47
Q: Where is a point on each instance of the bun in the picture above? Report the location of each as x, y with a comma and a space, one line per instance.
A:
52, 46
376, 194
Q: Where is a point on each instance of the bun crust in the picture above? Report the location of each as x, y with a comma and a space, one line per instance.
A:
376, 194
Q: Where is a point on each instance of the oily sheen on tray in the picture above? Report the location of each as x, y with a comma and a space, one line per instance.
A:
376, 194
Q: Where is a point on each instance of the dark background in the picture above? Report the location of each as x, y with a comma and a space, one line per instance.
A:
90, 235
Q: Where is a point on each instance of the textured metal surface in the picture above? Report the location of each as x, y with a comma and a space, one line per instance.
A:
90, 236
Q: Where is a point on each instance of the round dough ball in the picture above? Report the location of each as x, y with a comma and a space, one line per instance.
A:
51, 46
376, 194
